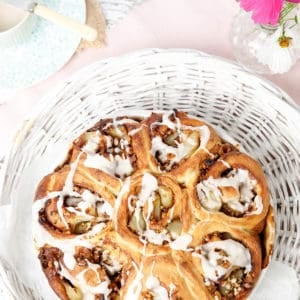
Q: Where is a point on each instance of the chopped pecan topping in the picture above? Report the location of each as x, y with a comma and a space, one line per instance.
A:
231, 284
48, 256
146, 295
83, 255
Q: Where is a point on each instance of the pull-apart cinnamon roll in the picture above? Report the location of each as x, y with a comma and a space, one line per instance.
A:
179, 142
113, 146
80, 272
233, 191
66, 208
227, 260
153, 211
155, 208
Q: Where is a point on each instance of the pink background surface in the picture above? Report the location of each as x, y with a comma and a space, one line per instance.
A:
197, 24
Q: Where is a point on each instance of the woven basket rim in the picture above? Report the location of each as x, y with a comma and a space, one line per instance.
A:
284, 98
156, 51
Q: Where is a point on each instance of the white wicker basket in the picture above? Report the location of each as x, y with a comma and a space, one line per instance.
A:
252, 111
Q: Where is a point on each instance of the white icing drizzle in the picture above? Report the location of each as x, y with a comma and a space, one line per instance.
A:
148, 186
105, 208
92, 143
166, 121
259, 206
125, 188
109, 141
183, 149
225, 163
136, 130
182, 242
83, 201
60, 204
124, 121
135, 288
64, 272
157, 290
69, 260
236, 254
89, 291
43, 237
171, 213
94, 231
153, 285
90, 200
144, 247
164, 150
67, 190
155, 237
67, 246
123, 143
172, 288
116, 166
129, 202
204, 135
89, 197
158, 238
68, 187
115, 123
211, 197
85, 216
114, 266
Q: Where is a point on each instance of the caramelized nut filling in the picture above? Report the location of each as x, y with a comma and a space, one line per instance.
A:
235, 281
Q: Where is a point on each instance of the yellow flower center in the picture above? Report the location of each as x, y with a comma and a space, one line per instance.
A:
284, 41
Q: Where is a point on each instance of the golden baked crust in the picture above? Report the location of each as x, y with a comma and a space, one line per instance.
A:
153, 208
220, 175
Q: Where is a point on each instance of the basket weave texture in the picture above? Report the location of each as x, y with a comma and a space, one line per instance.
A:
253, 112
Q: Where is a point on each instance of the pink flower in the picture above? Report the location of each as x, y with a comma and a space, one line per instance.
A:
264, 11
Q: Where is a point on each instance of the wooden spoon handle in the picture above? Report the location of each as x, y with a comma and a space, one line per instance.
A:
86, 32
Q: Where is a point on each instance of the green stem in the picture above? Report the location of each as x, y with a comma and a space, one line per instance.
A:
286, 10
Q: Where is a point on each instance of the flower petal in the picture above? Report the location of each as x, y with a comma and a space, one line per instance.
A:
264, 11
279, 60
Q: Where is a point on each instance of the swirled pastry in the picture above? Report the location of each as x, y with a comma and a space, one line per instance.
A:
153, 212
153, 208
234, 191
226, 259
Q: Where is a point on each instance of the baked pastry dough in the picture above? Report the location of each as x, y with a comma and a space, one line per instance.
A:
156, 278
233, 190
227, 260
153, 212
156, 207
